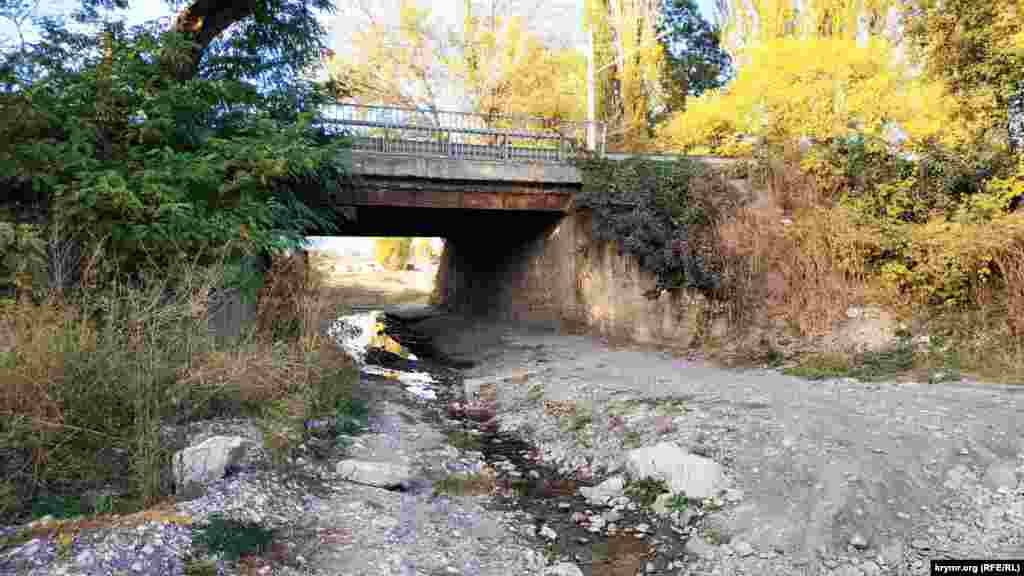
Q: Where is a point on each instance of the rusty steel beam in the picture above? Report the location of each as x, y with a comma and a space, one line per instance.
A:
418, 193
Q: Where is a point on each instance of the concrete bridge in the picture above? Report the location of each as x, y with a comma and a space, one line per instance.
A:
499, 191
430, 172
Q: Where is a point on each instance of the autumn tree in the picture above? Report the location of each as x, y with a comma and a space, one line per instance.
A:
505, 69
489, 63
855, 83
401, 62
977, 48
630, 58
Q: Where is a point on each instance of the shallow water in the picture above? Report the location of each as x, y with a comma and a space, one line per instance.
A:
524, 483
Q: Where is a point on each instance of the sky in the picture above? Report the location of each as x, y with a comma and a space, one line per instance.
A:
146, 10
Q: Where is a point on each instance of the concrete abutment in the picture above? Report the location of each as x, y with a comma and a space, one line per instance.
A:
555, 273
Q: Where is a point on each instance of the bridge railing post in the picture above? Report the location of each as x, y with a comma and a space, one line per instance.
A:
507, 138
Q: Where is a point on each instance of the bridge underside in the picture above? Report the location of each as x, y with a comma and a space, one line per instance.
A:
487, 226
398, 192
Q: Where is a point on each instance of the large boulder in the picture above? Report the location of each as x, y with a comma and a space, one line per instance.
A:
695, 476
865, 329
600, 494
206, 462
379, 474
1001, 474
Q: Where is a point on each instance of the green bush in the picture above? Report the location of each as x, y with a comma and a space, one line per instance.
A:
646, 490
232, 539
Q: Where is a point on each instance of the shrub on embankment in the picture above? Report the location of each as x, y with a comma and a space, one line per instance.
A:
892, 180
932, 240
95, 384
664, 213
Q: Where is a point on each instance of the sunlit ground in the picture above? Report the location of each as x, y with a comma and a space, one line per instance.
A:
353, 278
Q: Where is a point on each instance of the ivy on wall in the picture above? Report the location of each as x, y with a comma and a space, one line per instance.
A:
665, 213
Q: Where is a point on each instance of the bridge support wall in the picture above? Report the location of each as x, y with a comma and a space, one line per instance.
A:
559, 275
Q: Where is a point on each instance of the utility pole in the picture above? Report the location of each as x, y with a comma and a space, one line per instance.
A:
591, 95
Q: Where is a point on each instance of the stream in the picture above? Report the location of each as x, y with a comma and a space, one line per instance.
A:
624, 541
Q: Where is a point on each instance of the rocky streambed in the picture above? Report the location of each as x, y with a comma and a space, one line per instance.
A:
495, 449
607, 528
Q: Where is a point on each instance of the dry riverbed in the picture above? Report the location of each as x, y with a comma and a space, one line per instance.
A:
834, 477
526, 459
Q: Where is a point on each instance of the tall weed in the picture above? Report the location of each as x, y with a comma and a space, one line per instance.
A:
88, 381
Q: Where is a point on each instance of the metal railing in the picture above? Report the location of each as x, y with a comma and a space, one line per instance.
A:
389, 129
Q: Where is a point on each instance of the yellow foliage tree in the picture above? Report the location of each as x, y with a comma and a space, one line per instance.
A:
816, 75
976, 47
491, 65
625, 32
392, 253
506, 70
401, 65
751, 23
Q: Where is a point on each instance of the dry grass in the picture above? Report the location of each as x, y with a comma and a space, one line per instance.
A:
620, 555
797, 255
480, 484
345, 283
102, 370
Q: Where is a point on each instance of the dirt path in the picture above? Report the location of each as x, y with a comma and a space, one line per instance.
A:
837, 477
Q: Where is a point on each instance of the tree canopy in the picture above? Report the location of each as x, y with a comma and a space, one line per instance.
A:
485, 63
155, 143
695, 62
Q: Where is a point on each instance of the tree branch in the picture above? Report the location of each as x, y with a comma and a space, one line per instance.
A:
202, 22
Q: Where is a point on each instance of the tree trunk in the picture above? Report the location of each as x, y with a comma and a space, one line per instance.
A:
203, 21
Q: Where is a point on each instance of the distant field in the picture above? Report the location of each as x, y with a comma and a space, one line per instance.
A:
360, 281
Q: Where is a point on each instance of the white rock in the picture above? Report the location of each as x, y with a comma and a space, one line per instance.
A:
858, 541
563, 569
600, 494
743, 549
870, 568
381, 474
699, 548
206, 462
1001, 474
693, 475
548, 533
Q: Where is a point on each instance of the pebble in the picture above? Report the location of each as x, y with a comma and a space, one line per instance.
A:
743, 548
611, 516
548, 533
858, 541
